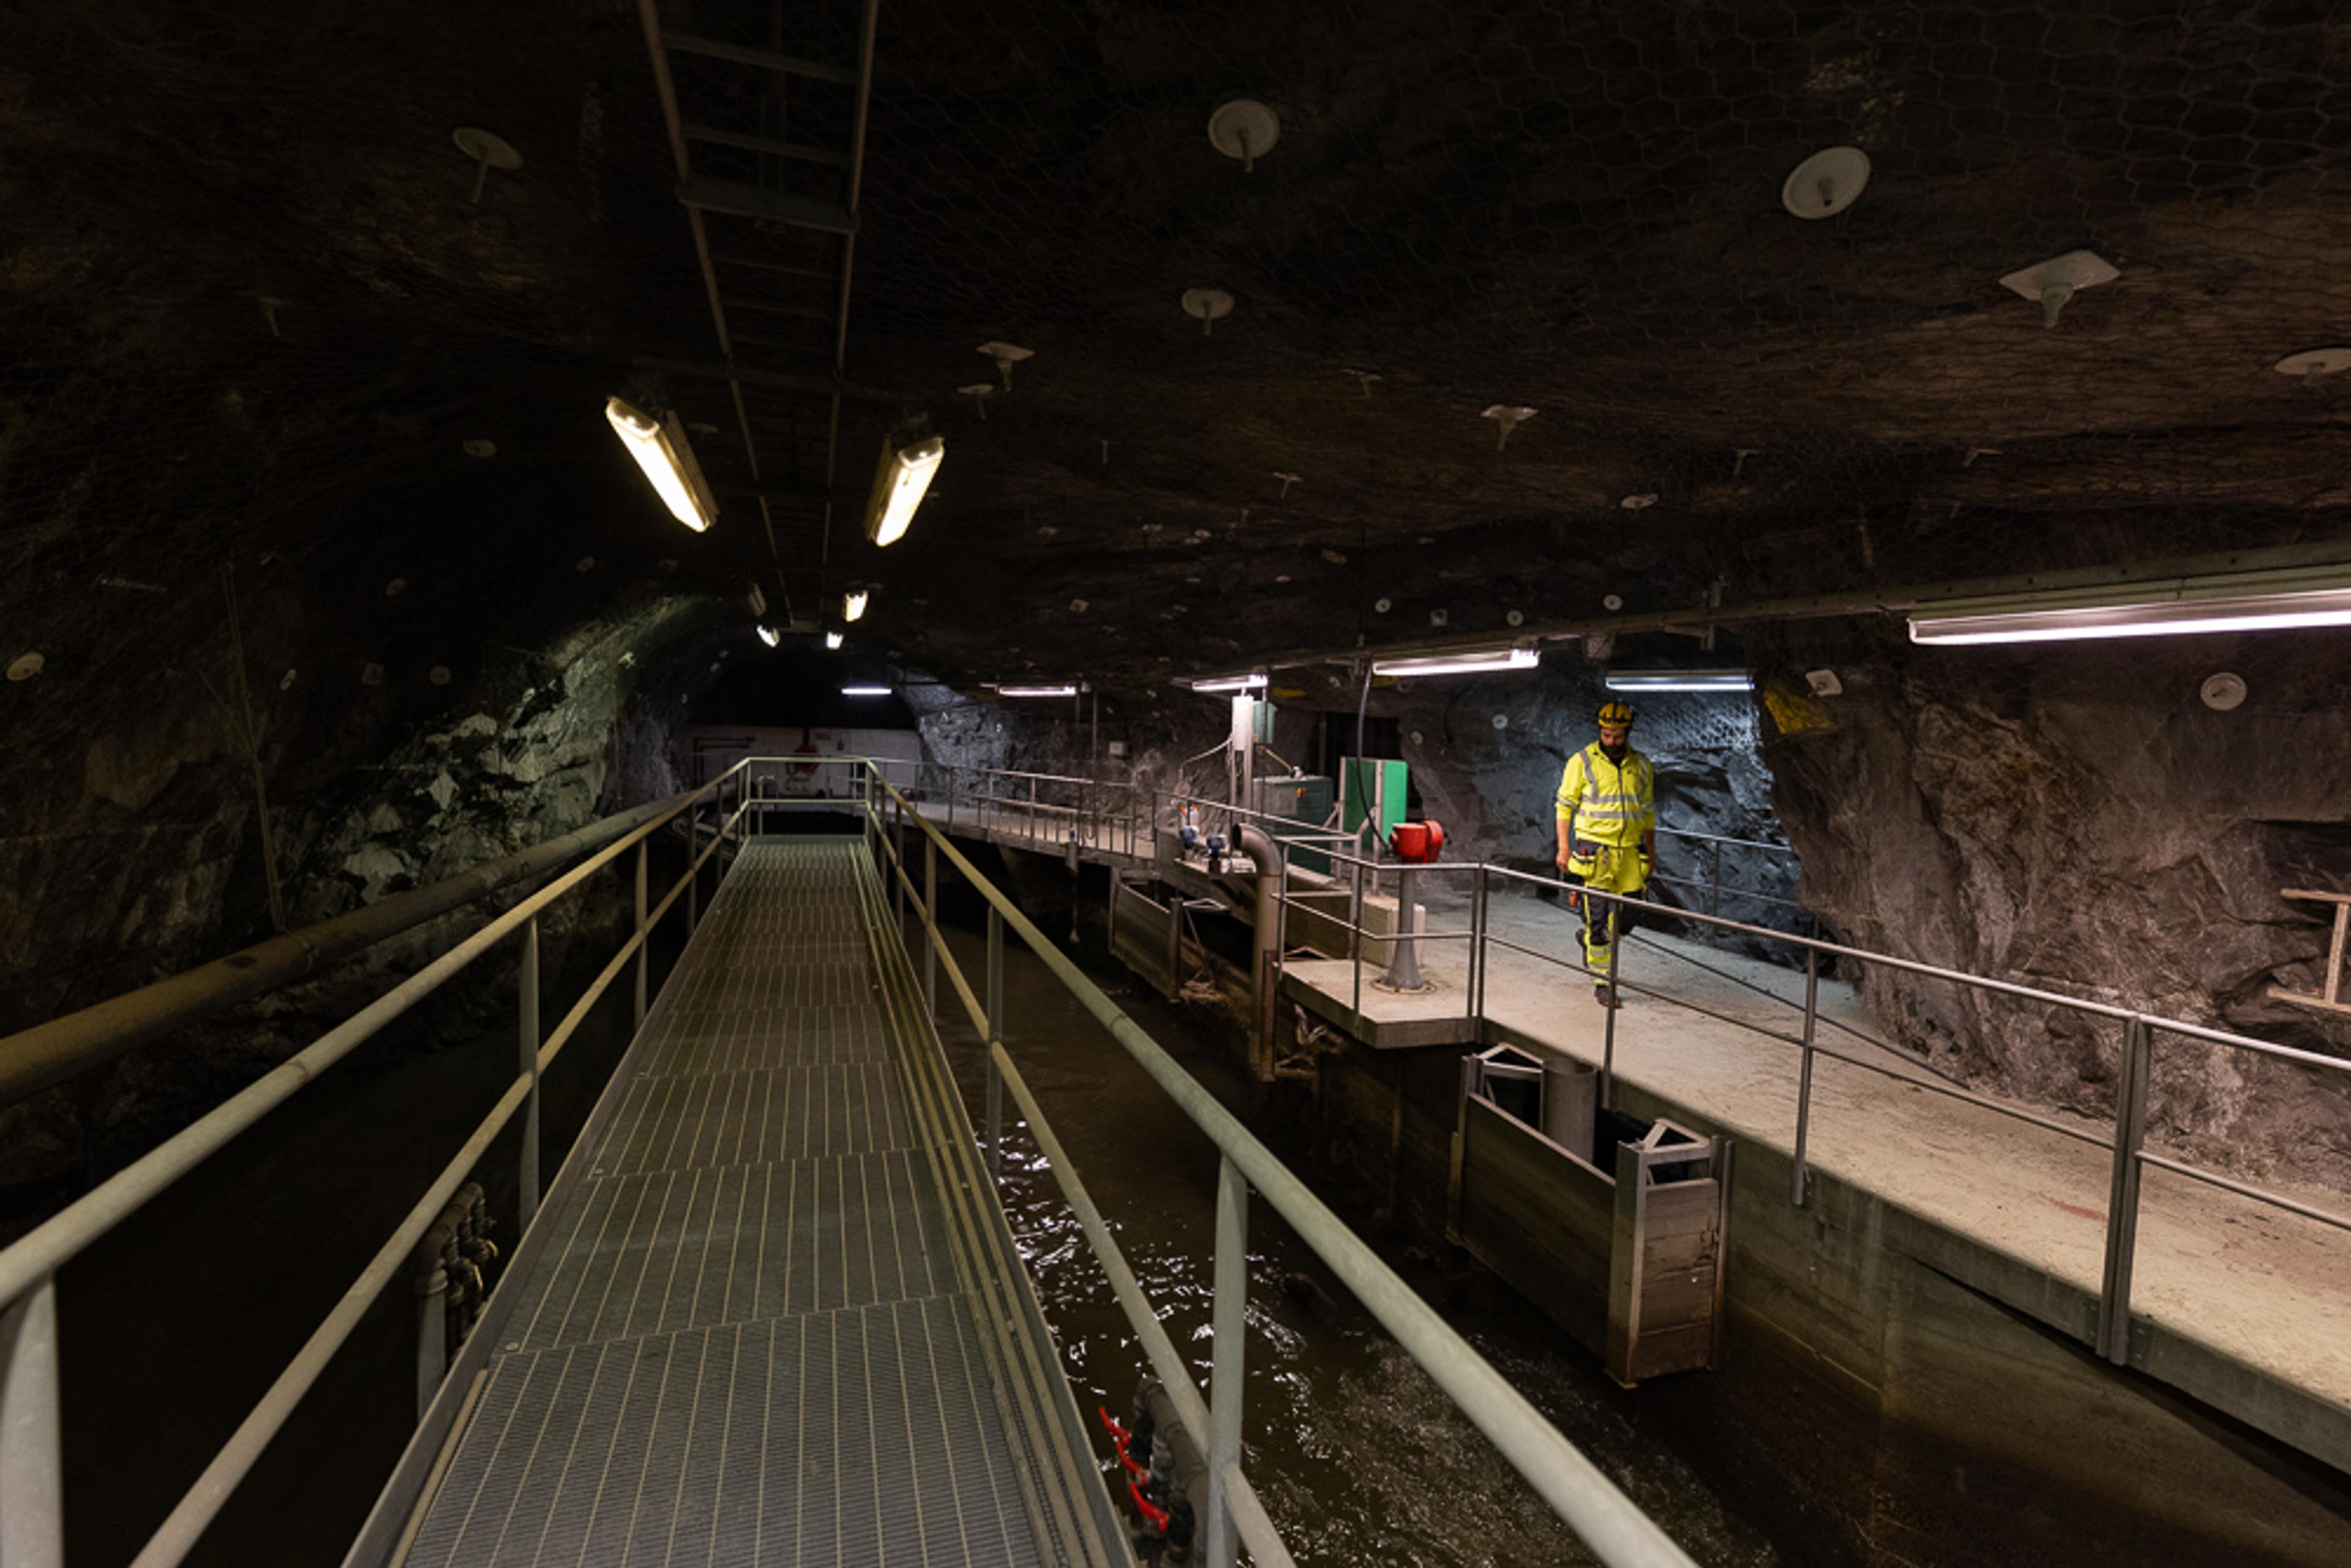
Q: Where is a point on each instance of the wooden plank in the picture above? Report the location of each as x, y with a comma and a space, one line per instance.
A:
1672, 1300
1690, 1249
2334, 955
1537, 1217
1514, 1164
1681, 1208
1660, 1352
1549, 1215
2310, 1000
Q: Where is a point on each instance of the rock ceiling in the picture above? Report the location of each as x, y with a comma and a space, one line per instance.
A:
252, 313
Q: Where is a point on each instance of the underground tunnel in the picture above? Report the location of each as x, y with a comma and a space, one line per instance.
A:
858, 782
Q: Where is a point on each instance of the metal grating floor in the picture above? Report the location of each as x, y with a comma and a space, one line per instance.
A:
746, 1341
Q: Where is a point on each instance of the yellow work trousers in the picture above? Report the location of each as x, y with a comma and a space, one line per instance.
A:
1610, 868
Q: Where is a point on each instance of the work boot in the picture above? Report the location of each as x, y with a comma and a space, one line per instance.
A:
1605, 996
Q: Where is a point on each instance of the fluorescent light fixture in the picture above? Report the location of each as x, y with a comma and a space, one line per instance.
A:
662, 450
852, 604
1249, 683
833, 641
769, 635
2243, 601
1680, 681
865, 691
1068, 691
1469, 662
898, 487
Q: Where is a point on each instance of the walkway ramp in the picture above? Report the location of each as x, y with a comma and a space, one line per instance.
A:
775, 1318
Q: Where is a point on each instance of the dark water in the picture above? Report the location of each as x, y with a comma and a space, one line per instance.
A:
1360, 1458
174, 1326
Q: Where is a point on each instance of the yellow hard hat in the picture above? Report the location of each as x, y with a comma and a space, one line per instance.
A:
1614, 714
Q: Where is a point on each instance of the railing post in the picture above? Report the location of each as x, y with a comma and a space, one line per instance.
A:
1608, 1039
527, 1182
693, 870
898, 864
1714, 897
930, 928
2122, 1205
32, 1473
996, 1037
644, 938
1471, 978
1229, 1325
1355, 936
1800, 1178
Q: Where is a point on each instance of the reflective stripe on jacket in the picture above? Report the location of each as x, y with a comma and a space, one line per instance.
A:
1611, 805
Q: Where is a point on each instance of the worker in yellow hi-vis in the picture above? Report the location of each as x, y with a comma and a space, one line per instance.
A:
1607, 810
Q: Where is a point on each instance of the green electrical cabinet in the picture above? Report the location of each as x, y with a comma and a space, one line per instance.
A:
1370, 793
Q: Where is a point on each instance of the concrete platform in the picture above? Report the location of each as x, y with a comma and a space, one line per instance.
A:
2244, 1306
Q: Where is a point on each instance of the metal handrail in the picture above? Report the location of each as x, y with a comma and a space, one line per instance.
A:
1590, 1505
48, 1053
32, 1521
2125, 1144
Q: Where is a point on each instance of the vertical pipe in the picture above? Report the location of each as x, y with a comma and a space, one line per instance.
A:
432, 1333
898, 864
693, 872
1608, 1042
644, 938
1800, 1179
2122, 1207
1229, 1325
1280, 913
32, 1473
527, 1182
995, 1041
930, 928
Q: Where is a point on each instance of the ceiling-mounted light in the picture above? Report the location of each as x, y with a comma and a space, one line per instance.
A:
1244, 131
1063, 691
769, 634
832, 641
907, 467
2244, 601
865, 691
1254, 681
1825, 184
1006, 356
662, 450
852, 604
2058, 279
1680, 681
1468, 661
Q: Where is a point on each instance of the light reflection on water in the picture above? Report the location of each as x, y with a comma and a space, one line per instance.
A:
1360, 1458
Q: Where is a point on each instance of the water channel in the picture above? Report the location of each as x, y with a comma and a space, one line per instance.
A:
1360, 1458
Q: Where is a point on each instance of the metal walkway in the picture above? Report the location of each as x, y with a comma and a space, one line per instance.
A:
769, 1324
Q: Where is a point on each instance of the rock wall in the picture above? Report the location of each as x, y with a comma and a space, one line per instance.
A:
2073, 817
149, 861
1485, 755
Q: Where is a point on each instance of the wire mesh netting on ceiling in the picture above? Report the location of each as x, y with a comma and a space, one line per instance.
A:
255, 293
1578, 210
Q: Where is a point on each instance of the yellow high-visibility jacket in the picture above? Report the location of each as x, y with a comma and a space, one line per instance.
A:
1611, 804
